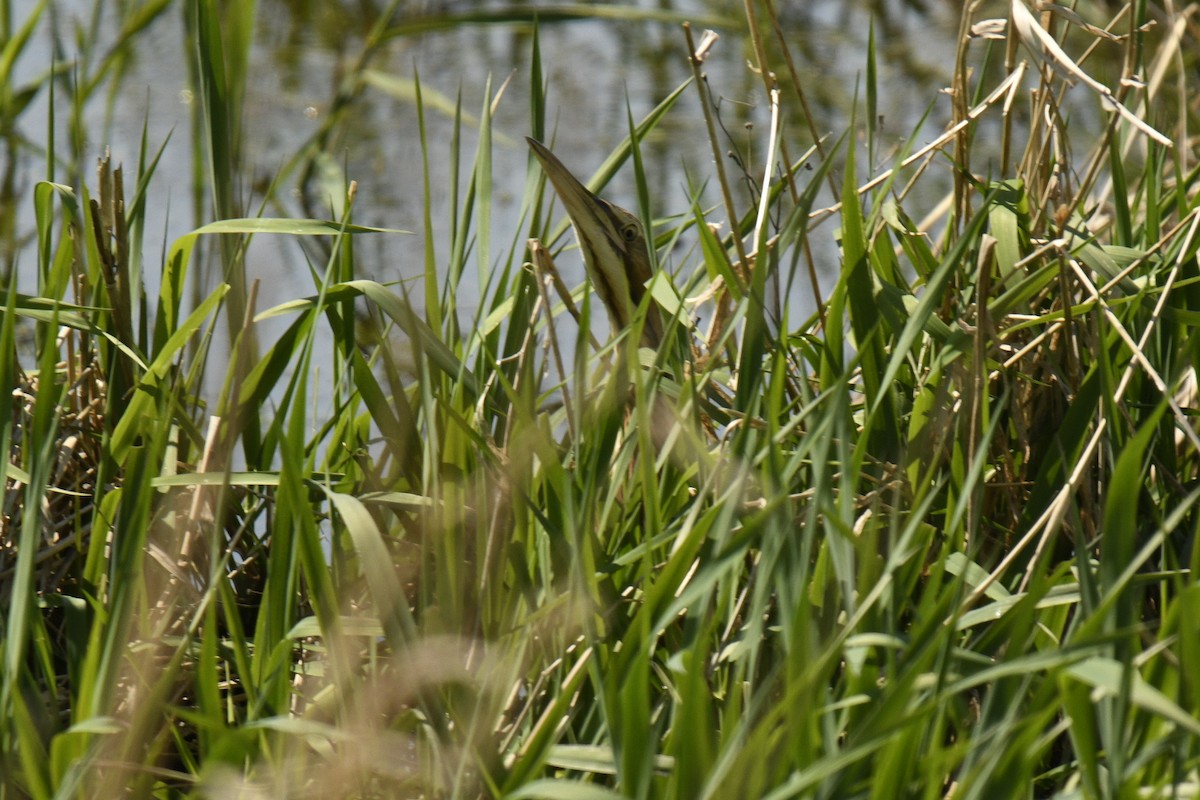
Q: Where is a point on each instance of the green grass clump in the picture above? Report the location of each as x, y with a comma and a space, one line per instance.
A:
933, 538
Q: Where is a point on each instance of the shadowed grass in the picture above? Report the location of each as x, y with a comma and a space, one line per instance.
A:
936, 538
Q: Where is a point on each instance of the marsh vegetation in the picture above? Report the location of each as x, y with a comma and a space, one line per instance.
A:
920, 522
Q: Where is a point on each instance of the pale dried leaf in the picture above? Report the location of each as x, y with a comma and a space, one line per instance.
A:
1043, 46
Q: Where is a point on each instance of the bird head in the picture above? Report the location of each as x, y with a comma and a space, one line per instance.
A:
613, 246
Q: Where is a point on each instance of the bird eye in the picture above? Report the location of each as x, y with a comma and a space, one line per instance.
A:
630, 232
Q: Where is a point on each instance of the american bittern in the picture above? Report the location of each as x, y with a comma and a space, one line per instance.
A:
617, 260
613, 247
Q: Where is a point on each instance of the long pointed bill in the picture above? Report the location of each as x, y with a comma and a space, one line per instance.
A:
580, 202
614, 249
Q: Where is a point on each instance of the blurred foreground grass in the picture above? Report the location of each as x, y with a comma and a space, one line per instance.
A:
935, 539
